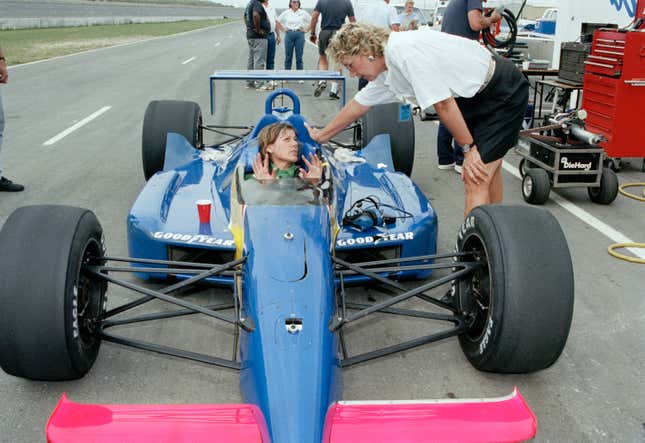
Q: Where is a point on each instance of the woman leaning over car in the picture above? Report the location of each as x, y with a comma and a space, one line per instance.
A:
481, 98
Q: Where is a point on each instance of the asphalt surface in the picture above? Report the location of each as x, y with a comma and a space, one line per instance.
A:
594, 392
68, 8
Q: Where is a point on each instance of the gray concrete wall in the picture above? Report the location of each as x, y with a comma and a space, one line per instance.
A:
58, 22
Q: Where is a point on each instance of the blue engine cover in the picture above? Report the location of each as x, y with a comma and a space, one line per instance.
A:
288, 292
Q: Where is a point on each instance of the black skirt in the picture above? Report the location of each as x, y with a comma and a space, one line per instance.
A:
494, 115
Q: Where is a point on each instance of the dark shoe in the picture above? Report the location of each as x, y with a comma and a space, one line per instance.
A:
322, 84
7, 185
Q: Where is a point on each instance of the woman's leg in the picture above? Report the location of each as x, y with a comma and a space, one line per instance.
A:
480, 194
496, 188
300, 46
288, 50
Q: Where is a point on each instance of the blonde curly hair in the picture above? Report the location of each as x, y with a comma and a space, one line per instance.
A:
357, 39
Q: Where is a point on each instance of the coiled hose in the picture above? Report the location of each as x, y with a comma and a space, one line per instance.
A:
612, 248
508, 43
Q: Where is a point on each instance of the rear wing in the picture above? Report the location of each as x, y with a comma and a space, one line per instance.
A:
279, 75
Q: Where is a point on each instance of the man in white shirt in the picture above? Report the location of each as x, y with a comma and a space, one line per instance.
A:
383, 15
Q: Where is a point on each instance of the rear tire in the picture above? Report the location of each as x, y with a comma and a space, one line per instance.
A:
536, 186
162, 117
49, 307
519, 303
386, 119
608, 189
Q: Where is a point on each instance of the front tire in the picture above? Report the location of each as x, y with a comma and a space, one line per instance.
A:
49, 307
387, 119
519, 303
162, 117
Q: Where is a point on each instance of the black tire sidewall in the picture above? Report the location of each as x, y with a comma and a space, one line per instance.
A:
37, 330
531, 289
385, 119
162, 117
541, 186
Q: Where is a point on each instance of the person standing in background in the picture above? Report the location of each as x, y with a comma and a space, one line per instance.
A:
295, 22
257, 29
464, 18
6, 185
273, 38
334, 13
408, 18
383, 15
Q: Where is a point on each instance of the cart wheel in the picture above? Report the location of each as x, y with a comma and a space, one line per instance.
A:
386, 119
615, 164
536, 186
524, 166
519, 302
608, 189
162, 117
49, 305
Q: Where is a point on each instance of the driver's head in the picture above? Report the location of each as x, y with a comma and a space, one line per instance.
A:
279, 142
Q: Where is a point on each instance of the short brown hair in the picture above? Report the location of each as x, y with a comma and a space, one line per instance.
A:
270, 133
357, 39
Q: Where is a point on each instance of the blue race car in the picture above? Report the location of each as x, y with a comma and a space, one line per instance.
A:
287, 250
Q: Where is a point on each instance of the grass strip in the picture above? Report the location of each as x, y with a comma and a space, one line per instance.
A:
27, 45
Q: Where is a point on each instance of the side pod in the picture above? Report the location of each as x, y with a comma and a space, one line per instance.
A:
75, 423
504, 419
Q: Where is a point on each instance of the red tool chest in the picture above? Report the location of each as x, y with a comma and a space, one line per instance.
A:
614, 91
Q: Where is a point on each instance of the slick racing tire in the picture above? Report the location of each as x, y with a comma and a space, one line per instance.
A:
389, 119
608, 189
519, 302
48, 306
162, 117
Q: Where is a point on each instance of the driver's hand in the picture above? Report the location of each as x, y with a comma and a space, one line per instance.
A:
474, 169
261, 169
313, 173
495, 16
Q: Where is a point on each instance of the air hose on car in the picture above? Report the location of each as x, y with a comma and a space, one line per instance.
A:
612, 248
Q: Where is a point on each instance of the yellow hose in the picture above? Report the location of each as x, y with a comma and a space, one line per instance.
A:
612, 248
630, 195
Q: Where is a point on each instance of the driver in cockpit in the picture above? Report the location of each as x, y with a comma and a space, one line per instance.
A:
279, 153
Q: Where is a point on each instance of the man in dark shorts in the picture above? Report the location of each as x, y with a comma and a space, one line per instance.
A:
333, 13
464, 18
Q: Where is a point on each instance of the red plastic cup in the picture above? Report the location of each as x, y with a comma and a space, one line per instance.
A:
204, 210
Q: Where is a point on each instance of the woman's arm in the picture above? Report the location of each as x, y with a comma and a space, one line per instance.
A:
350, 113
450, 115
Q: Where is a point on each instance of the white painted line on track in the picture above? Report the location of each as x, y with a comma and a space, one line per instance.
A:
217, 44
185, 62
74, 127
583, 215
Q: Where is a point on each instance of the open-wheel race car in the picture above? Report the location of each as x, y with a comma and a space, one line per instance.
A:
288, 250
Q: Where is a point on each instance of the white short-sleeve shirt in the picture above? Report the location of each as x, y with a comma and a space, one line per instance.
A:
380, 14
295, 21
425, 67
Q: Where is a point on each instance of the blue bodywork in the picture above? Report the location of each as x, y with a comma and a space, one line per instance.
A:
291, 360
